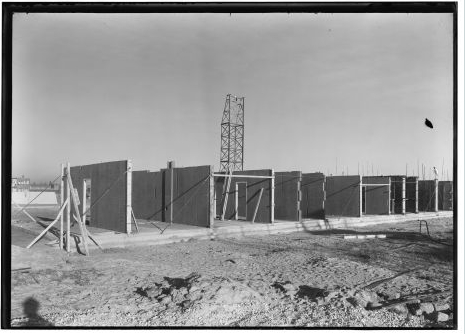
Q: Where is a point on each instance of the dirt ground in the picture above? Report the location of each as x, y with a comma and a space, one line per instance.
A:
316, 279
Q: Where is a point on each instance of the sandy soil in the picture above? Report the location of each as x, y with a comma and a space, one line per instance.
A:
314, 279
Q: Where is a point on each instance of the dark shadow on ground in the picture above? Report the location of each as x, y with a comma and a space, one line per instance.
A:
33, 319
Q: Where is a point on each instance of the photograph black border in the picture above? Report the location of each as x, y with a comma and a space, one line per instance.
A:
10, 8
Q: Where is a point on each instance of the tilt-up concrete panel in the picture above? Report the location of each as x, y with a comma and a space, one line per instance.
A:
343, 196
398, 194
377, 198
191, 195
411, 194
253, 187
147, 195
287, 195
445, 195
313, 195
108, 193
428, 195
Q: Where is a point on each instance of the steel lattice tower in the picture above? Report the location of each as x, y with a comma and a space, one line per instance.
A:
232, 135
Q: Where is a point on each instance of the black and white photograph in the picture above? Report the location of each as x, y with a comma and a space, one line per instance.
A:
232, 165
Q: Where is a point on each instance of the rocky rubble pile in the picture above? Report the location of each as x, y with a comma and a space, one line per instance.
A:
367, 299
193, 289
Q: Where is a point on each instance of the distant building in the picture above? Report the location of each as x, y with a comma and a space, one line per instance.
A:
20, 184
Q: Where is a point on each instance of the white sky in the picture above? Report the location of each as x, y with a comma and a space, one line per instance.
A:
151, 87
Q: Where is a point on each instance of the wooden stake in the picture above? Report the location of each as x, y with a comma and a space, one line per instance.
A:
128, 196
76, 210
24, 210
48, 227
68, 211
91, 237
212, 199
226, 195
84, 201
272, 198
62, 200
256, 206
135, 221
236, 199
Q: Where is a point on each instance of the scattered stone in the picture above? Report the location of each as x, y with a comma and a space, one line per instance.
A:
414, 308
390, 295
441, 317
364, 297
331, 295
400, 309
166, 300
285, 287
427, 308
311, 293
441, 307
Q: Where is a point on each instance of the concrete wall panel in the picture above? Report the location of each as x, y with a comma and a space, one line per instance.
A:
343, 196
147, 195
427, 195
313, 195
108, 187
398, 194
445, 195
377, 198
287, 197
411, 190
253, 191
191, 197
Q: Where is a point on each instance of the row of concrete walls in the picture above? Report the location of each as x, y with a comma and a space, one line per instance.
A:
445, 195
313, 195
253, 187
287, 196
377, 198
109, 188
151, 194
343, 196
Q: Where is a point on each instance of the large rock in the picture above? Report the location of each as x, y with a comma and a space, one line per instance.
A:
399, 309
365, 298
441, 317
427, 308
441, 307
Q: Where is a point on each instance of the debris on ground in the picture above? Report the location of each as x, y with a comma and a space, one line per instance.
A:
299, 279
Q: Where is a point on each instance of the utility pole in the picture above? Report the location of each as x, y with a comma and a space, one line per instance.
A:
171, 169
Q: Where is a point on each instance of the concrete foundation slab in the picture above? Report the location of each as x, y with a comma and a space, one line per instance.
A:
237, 229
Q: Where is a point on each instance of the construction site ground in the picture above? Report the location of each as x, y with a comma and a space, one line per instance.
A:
310, 278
